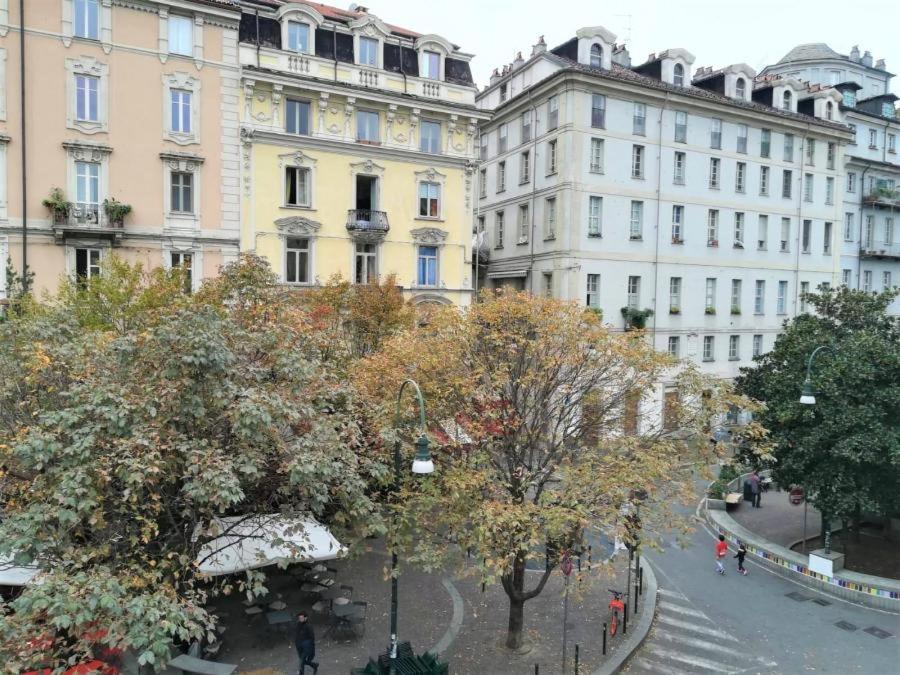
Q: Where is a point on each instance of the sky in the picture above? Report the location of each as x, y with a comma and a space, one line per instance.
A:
717, 33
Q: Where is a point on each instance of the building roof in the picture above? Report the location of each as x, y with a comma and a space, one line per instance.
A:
810, 52
335, 14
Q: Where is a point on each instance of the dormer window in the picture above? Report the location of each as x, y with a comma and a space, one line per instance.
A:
786, 100
368, 52
298, 37
678, 75
596, 56
829, 110
432, 61
887, 110
849, 98
740, 88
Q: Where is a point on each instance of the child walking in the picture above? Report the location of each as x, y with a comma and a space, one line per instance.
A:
721, 552
740, 555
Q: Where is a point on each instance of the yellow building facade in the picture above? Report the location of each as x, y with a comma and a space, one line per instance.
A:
357, 150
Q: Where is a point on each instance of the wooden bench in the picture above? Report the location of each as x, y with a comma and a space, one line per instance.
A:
734, 498
191, 664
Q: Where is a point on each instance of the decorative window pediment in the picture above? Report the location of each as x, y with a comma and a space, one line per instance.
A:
181, 131
299, 13
431, 175
369, 25
182, 161
367, 167
298, 226
87, 95
87, 152
297, 158
429, 236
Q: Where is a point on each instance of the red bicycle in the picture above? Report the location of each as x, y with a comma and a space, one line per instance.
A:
615, 606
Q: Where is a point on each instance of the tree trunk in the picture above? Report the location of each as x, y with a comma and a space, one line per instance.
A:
514, 585
516, 626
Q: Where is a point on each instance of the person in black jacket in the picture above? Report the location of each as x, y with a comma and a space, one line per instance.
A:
305, 642
740, 555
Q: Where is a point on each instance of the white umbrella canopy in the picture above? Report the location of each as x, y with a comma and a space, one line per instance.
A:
15, 575
250, 542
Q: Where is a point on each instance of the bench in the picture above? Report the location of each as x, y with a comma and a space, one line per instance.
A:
191, 664
734, 498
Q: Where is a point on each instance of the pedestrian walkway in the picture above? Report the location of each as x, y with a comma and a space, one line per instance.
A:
685, 640
778, 520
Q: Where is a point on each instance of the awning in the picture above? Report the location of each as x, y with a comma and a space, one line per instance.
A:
12, 575
250, 542
509, 274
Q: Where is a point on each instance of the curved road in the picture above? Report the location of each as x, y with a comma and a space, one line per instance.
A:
706, 623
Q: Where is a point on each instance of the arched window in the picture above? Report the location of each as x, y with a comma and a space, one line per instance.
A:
786, 100
596, 56
740, 88
678, 77
829, 110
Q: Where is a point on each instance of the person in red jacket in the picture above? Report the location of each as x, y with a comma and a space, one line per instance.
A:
721, 552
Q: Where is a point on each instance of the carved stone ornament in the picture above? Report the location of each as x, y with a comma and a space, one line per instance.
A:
429, 236
86, 152
296, 158
298, 225
431, 175
366, 166
246, 135
367, 236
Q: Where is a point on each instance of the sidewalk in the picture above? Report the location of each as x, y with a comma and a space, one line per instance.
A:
777, 519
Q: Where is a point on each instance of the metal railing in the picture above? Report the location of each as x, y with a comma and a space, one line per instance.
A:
367, 220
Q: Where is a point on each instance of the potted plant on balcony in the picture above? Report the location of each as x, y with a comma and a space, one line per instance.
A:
116, 211
710, 310
636, 319
712, 242
674, 310
735, 310
58, 205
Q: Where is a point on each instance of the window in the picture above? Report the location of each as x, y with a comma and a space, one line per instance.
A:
786, 182
367, 126
830, 155
678, 174
712, 227
87, 19
764, 181
552, 112
499, 219
829, 110
597, 155
501, 176
811, 151
892, 143
504, 92
678, 75
296, 119
709, 347
298, 37
595, 216
639, 119
482, 183
762, 232
181, 34
427, 265
430, 137
848, 226
887, 110
429, 200
829, 190
182, 192
185, 263
804, 289
181, 111
807, 187
365, 264
714, 164
296, 186
636, 227
715, 134
734, 347
524, 224
867, 281
826, 243
789, 147
873, 139
851, 181
598, 111
593, 291
740, 177
674, 347
759, 297
296, 263
524, 167
677, 224
551, 157
781, 307
502, 135
675, 295
368, 52
845, 277
526, 126
806, 233
550, 218
634, 292
740, 88
87, 263
680, 127
757, 345
849, 98
765, 143
870, 233
548, 284
786, 100
86, 95
483, 153
889, 231
853, 133
738, 230
637, 161
87, 188
432, 65
710, 295
742, 138
596, 56
886, 281
785, 234
736, 296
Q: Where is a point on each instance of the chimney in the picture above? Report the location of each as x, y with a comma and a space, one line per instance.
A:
854, 54
621, 56
540, 47
652, 56
495, 77
880, 64
867, 58
519, 61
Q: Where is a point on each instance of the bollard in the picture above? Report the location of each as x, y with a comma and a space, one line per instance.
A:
604, 639
576, 658
636, 593
482, 586
536, 669
579, 562
641, 581
625, 620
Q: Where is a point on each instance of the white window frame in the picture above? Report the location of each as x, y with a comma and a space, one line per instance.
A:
829, 190
184, 82
886, 281
785, 241
298, 48
637, 161
740, 177
759, 297
804, 289
501, 176
765, 143
434, 146
499, 228
552, 157
82, 152
551, 214
788, 155
194, 25
715, 133
525, 127
742, 138
757, 345
524, 223
359, 127
592, 291
633, 291
762, 232
639, 119
288, 251
598, 151
182, 211
598, 111
369, 41
298, 171
677, 224
846, 277
86, 66
781, 298
848, 225
739, 229
764, 175
712, 227
71, 259
75, 27
808, 187
828, 233
179, 220
710, 295
552, 113
715, 170
175, 259
851, 181
636, 220
674, 295
681, 126
595, 216
437, 265
524, 167
673, 346
432, 195
736, 292
104, 27
867, 281
360, 253
709, 348
734, 347
679, 169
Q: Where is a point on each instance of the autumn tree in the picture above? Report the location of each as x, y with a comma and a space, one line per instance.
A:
131, 417
542, 393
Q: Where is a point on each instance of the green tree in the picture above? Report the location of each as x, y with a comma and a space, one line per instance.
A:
126, 432
845, 449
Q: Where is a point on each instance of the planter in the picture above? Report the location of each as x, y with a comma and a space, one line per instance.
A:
715, 504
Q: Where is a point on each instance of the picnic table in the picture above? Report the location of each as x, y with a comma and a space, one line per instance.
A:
345, 617
191, 664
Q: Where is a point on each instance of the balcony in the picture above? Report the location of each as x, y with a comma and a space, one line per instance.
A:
883, 197
86, 219
880, 250
367, 225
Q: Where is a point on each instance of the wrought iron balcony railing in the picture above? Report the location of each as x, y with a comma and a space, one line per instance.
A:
367, 220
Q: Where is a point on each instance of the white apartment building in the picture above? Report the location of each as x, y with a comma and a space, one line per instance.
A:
710, 198
870, 252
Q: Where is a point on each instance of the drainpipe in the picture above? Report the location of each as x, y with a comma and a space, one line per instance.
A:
257, 37
859, 240
24, 163
800, 219
658, 214
403, 72
531, 208
334, 48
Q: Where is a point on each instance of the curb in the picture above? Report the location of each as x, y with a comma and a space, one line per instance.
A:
640, 628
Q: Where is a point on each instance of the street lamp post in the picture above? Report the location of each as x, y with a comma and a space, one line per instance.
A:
421, 465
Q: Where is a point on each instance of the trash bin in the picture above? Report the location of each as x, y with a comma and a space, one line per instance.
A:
748, 491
